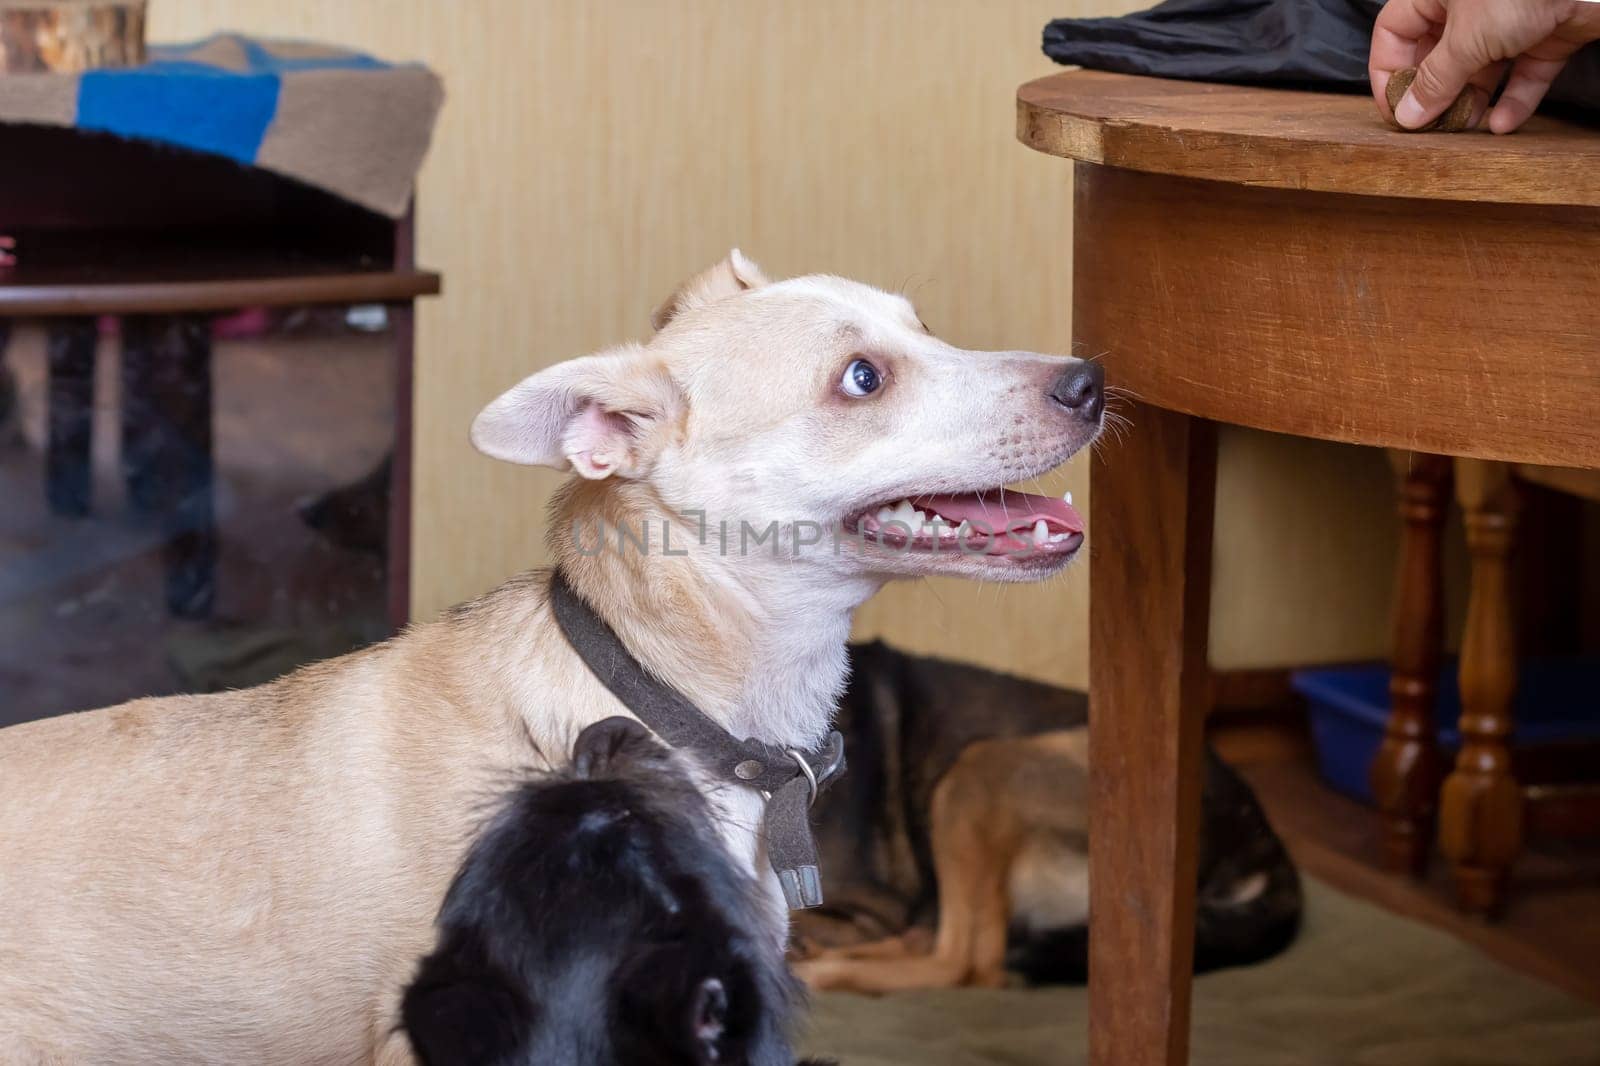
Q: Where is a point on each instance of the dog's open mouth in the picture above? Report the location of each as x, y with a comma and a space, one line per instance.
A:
995, 522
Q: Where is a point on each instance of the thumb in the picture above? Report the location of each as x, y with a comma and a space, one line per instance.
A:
1441, 76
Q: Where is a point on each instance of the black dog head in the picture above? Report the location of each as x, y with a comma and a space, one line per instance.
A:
599, 919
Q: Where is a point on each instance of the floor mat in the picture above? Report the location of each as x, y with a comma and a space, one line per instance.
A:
1361, 987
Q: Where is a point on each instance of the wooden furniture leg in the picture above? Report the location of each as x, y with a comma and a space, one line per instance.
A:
397, 547
8, 381
166, 448
1150, 571
403, 324
1405, 773
68, 476
1480, 817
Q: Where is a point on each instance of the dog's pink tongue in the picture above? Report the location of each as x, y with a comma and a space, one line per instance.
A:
1000, 509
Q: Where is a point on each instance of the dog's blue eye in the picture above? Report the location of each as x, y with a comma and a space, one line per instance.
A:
861, 378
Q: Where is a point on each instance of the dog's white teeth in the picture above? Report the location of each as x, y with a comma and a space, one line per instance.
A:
1041, 532
964, 528
885, 515
1066, 498
1057, 538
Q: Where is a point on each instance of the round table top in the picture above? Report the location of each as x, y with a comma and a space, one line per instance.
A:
1281, 138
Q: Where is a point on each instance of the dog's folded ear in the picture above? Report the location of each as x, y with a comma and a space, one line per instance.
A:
600, 415
730, 277
613, 745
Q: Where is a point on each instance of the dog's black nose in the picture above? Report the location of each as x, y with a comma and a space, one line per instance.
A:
1081, 390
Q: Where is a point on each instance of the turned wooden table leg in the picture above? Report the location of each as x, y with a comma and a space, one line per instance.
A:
1405, 773
403, 323
9, 400
167, 448
68, 477
1150, 574
1480, 817
397, 546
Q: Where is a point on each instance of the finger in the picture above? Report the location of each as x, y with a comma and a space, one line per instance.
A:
1483, 84
1399, 26
1480, 108
1380, 78
1530, 79
1406, 30
1441, 76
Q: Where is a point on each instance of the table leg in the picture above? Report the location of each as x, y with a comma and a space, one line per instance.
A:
1150, 577
9, 400
68, 477
403, 321
1480, 817
1405, 774
397, 548
167, 448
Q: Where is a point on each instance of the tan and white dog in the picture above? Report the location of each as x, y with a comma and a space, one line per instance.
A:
252, 876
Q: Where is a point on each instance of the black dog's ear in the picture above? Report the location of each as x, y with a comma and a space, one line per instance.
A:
676, 1003
464, 1020
607, 746
708, 1020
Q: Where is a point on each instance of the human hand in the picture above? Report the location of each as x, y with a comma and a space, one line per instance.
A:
1459, 43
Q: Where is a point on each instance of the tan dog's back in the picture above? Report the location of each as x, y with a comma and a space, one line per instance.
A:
286, 845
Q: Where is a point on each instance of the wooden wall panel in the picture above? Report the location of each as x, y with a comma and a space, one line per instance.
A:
592, 154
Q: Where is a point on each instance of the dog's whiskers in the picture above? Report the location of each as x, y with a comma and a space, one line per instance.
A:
1122, 392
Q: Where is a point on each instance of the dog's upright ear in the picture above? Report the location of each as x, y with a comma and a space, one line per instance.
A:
600, 415
730, 277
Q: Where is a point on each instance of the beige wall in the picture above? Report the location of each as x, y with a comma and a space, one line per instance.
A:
593, 153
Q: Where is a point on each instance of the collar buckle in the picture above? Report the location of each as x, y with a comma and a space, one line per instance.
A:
808, 773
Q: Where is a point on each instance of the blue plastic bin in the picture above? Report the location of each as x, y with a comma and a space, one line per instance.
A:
1556, 700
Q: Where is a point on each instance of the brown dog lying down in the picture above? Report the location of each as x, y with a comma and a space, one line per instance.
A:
965, 809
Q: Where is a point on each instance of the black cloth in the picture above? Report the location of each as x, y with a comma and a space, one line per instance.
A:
1308, 44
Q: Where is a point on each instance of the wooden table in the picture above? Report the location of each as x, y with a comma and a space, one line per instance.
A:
1283, 260
164, 239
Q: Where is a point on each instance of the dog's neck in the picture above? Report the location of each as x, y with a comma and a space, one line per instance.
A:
757, 642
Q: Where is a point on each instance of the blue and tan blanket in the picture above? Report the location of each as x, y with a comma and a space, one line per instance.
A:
339, 120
